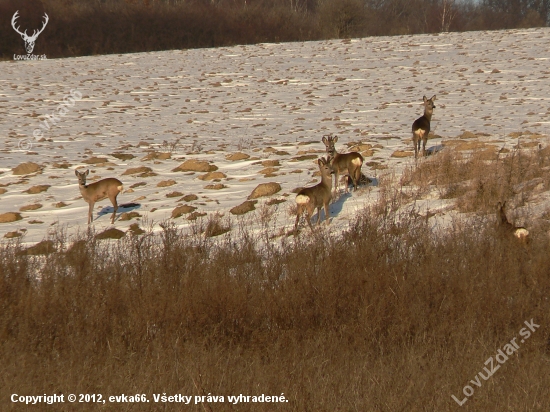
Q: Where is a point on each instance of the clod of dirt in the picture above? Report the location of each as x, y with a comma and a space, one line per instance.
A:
129, 216
237, 156
182, 210
216, 186
26, 208
193, 165
166, 183
174, 194
265, 189
303, 157
245, 207
111, 233
26, 168
136, 170
189, 198
156, 156
95, 160
123, 156
37, 189
212, 176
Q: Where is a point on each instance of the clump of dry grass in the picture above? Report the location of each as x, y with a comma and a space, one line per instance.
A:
388, 317
216, 225
478, 181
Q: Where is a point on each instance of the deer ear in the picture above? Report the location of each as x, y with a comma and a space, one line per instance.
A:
87, 172
425, 100
335, 139
76, 172
324, 139
433, 98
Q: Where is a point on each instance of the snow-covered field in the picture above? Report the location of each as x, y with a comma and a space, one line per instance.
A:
272, 102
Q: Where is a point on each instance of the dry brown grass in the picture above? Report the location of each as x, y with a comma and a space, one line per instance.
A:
389, 317
480, 179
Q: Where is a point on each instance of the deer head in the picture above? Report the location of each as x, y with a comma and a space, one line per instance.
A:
29, 40
329, 142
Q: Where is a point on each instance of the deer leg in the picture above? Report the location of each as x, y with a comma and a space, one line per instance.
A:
415, 145
327, 213
355, 178
319, 216
336, 176
298, 215
424, 141
115, 205
90, 212
309, 216
346, 179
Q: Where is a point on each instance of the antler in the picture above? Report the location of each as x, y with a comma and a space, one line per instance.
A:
24, 34
35, 34
15, 16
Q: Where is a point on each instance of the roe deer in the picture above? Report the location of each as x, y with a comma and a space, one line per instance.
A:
316, 196
102, 189
421, 126
508, 228
343, 163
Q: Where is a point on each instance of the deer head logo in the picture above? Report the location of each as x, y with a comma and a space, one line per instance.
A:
29, 40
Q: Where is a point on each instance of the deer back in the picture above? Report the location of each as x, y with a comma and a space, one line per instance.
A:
102, 189
346, 162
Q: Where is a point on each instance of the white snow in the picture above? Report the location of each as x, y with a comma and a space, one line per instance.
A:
207, 103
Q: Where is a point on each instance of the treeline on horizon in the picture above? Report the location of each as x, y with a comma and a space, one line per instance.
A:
91, 27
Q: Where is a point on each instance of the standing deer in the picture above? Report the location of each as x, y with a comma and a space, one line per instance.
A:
343, 163
29, 40
421, 126
316, 196
102, 189
508, 228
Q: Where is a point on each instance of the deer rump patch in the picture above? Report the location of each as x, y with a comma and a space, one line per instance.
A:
521, 233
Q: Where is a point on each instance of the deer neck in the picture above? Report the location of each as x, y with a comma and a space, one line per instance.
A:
326, 180
336, 159
83, 189
428, 114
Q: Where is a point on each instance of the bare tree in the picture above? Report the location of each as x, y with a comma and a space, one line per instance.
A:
448, 13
